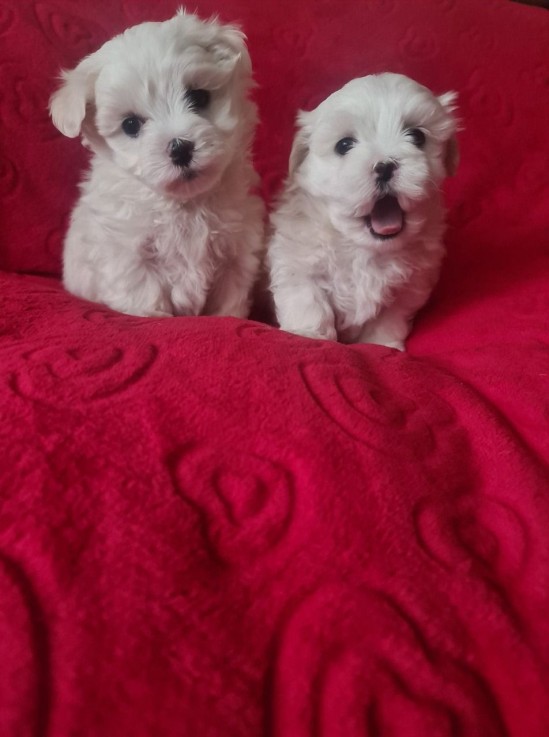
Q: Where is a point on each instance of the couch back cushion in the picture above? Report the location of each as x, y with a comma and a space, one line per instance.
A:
493, 53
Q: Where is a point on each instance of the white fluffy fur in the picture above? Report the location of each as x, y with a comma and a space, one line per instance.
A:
330, 276
146, 237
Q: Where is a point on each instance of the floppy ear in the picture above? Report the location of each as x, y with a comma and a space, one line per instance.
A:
68, 104
230, 49
300, 146
451, 156
451, 153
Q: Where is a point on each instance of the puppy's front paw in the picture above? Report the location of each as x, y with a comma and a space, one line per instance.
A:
159, 313
137, 312
384, 341
389, 330
398, 344
304, 311
327, 333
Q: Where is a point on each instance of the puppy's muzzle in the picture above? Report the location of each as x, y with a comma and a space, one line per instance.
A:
181, 152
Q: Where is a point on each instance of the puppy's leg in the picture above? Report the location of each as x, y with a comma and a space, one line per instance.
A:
389, 328
137, 292
231, 294
393, 324
236, 275
126, 286
189, 295
303, 308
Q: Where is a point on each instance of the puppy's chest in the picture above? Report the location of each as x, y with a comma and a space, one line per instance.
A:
362, 283
176, 236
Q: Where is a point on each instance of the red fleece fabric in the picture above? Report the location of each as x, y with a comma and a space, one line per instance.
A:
209, 527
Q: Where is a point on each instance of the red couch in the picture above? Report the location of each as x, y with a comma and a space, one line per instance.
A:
209, 527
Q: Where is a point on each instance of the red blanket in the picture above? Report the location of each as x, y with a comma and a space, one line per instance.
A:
212, 528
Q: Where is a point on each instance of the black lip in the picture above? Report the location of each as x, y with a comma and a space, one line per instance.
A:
188, 175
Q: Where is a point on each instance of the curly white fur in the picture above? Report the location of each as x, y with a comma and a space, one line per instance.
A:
150, 236
332, 274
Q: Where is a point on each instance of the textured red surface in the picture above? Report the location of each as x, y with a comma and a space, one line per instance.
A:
208, 527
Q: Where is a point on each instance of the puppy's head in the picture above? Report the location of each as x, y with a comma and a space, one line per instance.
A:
166, 102
375, 151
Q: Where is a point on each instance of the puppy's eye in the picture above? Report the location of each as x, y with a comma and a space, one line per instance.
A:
344, 145
132, 125
198, 99
417, 136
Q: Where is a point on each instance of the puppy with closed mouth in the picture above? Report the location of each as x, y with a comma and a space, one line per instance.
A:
357, 233
167, 222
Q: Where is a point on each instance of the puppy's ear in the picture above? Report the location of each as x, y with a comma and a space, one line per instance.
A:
449, 101
300, 146
68, 104
230, 51
451, 153
451, 156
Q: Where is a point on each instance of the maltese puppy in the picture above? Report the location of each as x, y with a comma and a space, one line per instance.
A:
166, 223
357, 234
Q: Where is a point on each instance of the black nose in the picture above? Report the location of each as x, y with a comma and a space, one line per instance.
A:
181, 151
385, 170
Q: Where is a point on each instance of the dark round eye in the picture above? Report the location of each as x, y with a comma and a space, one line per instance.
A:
417, 136
346, 144
198, 99
132, 125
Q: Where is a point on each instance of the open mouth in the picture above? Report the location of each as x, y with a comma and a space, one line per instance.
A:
386, 220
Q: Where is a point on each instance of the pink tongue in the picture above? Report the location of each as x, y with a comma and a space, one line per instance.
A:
387, 216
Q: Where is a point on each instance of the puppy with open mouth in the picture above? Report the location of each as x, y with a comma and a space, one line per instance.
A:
357, 233
167, 222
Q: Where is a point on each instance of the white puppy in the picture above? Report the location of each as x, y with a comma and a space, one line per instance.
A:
166, 223
357, 240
